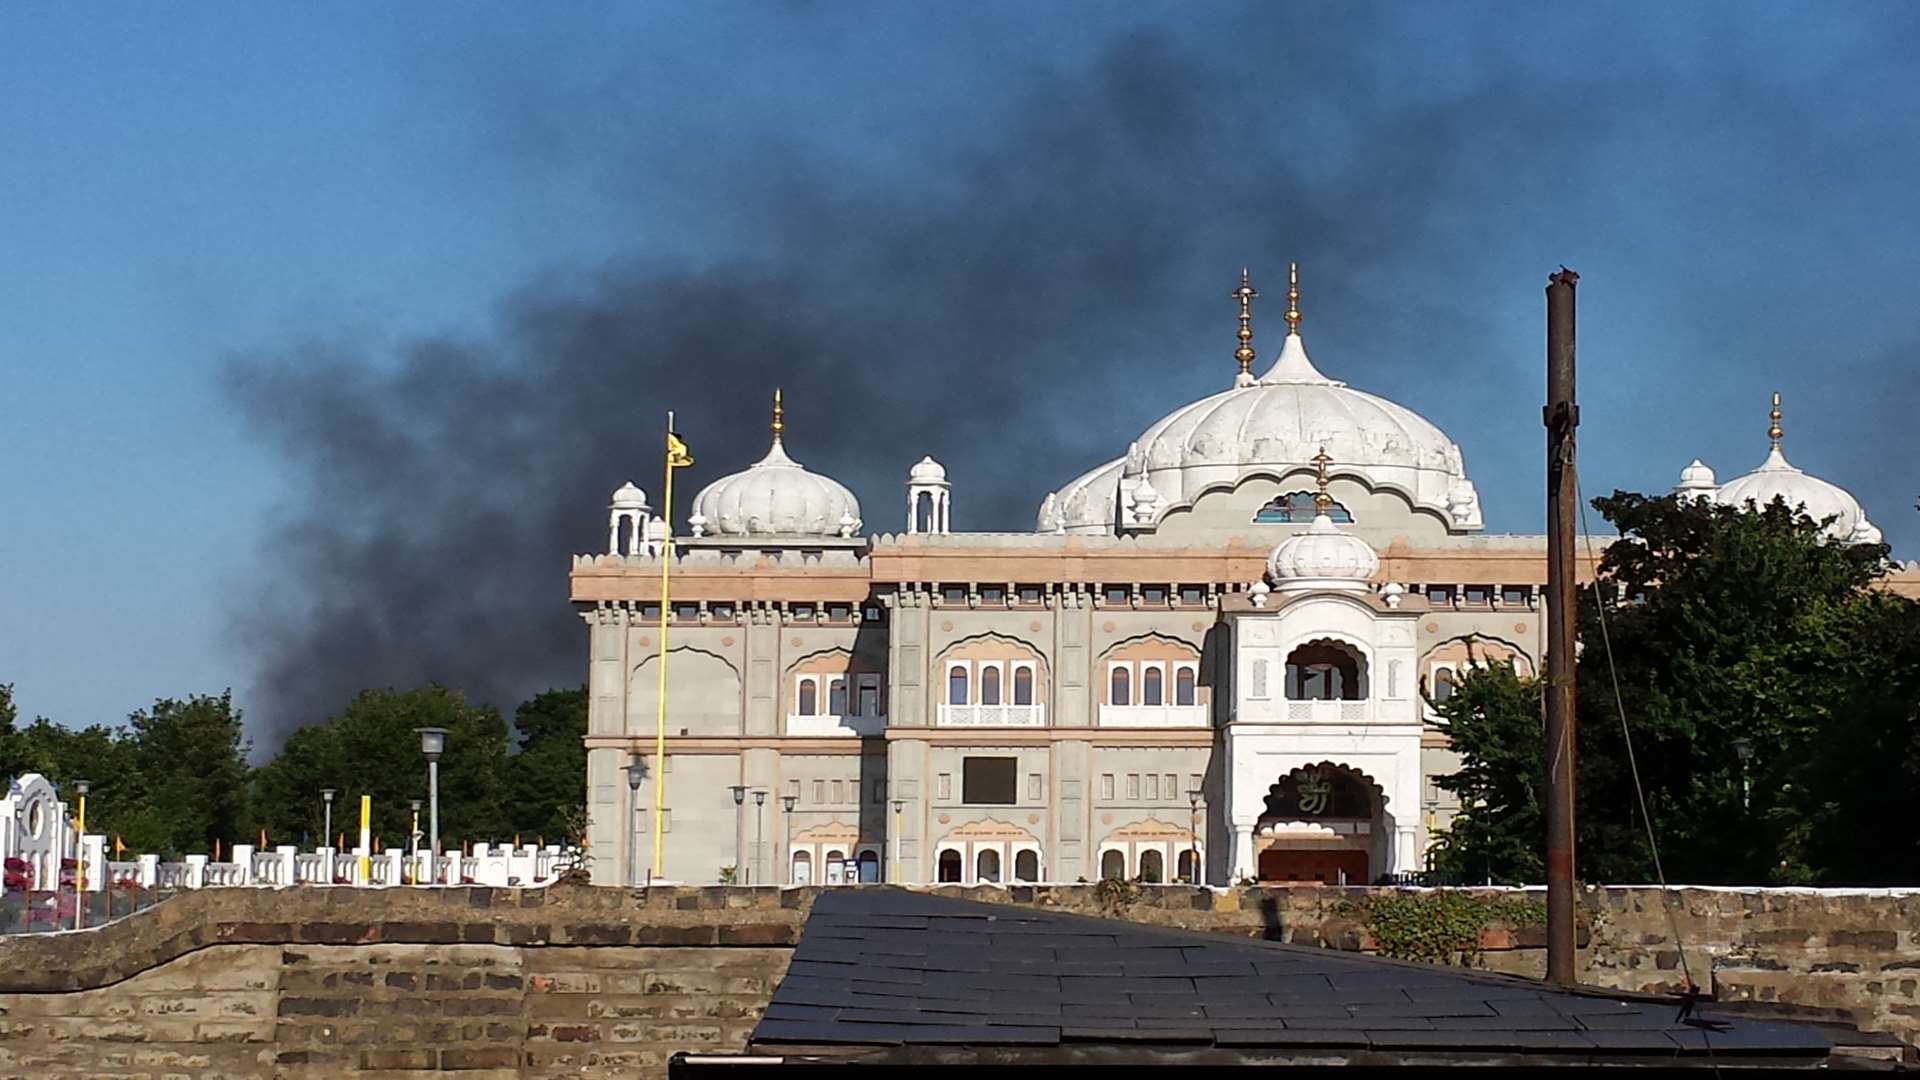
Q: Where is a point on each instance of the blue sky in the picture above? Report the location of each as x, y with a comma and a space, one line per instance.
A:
195, 199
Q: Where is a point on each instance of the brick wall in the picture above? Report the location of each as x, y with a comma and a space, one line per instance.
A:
506, 982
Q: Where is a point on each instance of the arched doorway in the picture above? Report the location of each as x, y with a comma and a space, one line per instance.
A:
950, 867
1151, 870
1319, 825
987, 865
1113, 866
869, 867
1026, 865
802, 868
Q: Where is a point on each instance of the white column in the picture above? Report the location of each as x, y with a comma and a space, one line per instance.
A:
613, 532
95, 848
289, 864
149, 871
196, 872
1242, 851
243, 858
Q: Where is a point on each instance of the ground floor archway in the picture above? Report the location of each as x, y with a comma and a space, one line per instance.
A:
1325, 865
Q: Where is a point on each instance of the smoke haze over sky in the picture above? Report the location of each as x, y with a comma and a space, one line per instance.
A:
327, 337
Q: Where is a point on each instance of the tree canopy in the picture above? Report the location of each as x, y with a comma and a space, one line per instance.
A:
1770, 692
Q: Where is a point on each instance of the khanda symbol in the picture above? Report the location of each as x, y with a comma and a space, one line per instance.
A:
1315, 791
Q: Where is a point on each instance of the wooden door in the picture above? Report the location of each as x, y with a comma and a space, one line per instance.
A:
1323, 865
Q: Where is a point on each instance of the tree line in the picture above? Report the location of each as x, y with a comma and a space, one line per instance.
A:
1771, 694
176, 779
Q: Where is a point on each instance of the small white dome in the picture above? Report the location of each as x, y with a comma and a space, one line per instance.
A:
777, 496
629, 497
1696, 480
927, 471
1775, 478
1323, 557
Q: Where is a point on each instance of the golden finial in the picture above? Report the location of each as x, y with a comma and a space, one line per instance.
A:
1245, 294
779, 416
1321, 500
1773, 423
1293, 298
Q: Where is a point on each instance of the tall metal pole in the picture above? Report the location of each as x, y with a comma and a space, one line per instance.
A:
760, 834
1561, 415
433, 808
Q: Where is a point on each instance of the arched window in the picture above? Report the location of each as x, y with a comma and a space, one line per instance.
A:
869, 867
1443, 684
957, 685
1183, 686
809, 702
1323, 671
987, 865
1026, 865
950, 866
989, 685
1152, 690
836, 868
1122, 688
1023, 685
1190, 866
1151, 869
1113, 865
1296, 507
837, 696
802, 868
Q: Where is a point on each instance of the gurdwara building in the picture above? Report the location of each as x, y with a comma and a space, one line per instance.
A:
1212, 657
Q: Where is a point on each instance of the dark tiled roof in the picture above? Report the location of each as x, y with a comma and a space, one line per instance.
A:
888, 967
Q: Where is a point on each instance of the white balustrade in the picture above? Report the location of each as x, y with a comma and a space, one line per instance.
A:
1153, 716
993, 716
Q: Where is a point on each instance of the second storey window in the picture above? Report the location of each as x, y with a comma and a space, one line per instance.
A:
989, 686
1023, 685
957, 686
837, 697
1150, 686
1121, 692
1183, 686
809, 701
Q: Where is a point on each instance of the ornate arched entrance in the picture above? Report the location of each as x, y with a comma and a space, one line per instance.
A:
1321, 823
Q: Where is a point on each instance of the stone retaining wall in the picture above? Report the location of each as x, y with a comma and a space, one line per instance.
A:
507, 982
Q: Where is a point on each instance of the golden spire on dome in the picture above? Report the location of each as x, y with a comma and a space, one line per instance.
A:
1773, 423
779, 416
1321, 500
1293, 298
1245, 294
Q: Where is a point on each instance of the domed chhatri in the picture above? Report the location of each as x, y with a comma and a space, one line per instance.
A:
1775, 478
927, 471
1323, 557
777, 496
1272, 425
1696, 481
629, 497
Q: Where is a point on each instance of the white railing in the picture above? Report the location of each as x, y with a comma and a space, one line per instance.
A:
848, 726
1181, 716
224, 873
993, 716
1323, 712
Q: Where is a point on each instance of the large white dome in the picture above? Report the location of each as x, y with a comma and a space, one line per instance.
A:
1274, 425
777, 496
1775, 478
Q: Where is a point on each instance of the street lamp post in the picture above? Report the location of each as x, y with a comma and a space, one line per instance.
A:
740, 875
636, 771
1743, 749
893, 871
79, 857
786, 849
760, 831
1193, 836
433, 743
326, 831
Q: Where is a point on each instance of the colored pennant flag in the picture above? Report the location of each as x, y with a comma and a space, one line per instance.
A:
677, 455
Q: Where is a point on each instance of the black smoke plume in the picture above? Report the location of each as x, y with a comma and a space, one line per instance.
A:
1018, 299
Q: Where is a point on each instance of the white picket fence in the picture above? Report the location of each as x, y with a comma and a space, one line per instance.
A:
37, 836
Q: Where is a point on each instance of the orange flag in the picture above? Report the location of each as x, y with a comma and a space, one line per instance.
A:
216, 849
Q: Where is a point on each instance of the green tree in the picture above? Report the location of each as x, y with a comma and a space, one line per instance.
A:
1725, 631
191, 760
1493, 718
371, 748
547, 778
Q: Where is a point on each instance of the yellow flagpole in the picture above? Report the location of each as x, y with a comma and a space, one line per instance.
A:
660, 723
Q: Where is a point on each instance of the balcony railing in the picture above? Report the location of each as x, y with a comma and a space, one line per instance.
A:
993, 716
830, 726
1181, 716
1330, 711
